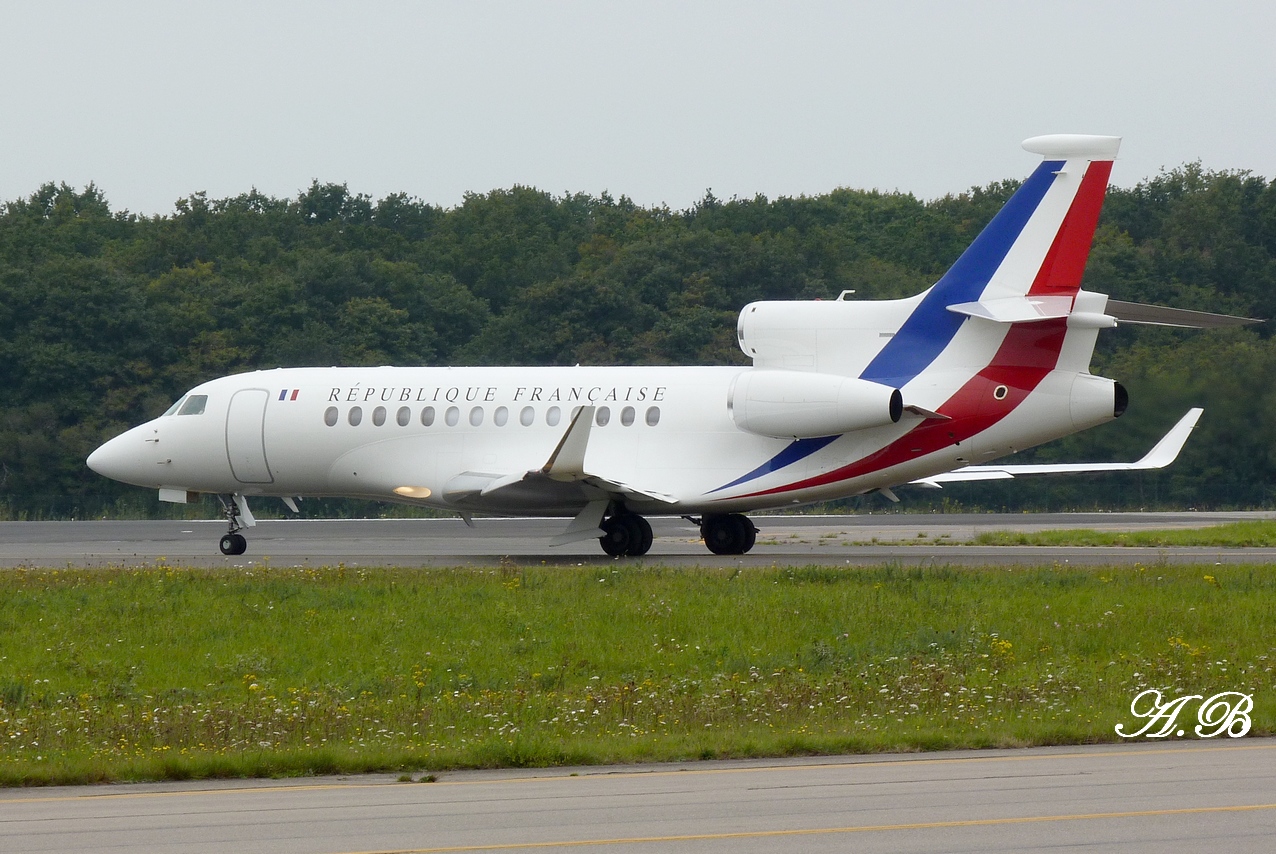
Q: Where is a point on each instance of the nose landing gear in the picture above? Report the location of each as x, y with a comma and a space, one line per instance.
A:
238, 517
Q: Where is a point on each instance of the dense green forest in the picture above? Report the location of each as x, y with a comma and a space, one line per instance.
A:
106, 316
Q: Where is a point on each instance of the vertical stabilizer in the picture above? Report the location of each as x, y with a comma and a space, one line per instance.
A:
1034, 248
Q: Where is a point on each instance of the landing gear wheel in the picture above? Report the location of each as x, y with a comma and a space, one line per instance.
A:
233, 544
640, 535
729, 534
615, 538
626, 535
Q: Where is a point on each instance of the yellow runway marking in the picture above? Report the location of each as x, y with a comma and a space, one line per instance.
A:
867, 828
940, 759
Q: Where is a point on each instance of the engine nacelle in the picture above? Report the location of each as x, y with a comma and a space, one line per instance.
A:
1096, 400
806, 405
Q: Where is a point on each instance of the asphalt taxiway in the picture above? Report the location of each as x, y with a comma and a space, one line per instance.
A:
1133, 798
909, 539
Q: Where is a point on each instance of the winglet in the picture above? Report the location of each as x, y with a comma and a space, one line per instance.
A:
1167, 450
568, 460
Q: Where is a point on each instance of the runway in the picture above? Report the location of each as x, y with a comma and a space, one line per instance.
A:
917, 539
1134, 798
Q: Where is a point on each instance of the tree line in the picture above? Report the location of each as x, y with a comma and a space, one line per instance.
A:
106, 316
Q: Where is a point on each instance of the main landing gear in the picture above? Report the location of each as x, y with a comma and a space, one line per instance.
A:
728, 533
233, 543
626, 535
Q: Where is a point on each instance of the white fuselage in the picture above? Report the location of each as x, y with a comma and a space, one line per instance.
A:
367, 432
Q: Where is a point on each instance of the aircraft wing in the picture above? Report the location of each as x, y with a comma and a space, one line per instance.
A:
1161, 455
567, 465
562, 481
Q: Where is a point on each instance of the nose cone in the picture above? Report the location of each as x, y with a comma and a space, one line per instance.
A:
126, 458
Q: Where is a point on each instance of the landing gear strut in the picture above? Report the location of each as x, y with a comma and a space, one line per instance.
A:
233, 543
626, 535
728, 533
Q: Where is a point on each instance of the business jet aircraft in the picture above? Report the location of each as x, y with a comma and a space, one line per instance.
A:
844, 397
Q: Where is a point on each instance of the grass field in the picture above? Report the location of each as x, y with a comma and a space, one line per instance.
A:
1236, 535
169, 672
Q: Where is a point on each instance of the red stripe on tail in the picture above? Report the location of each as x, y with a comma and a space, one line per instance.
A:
1060, 273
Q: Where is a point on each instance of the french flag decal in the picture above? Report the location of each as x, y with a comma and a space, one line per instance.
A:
289, 394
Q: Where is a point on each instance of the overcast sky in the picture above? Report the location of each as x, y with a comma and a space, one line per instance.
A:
153, 101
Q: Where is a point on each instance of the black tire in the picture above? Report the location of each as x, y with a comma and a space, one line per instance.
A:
233, 544
615, 538
723, 535
729, 534
640, 535
750, 534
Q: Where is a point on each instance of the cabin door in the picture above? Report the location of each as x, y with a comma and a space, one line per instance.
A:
246, 436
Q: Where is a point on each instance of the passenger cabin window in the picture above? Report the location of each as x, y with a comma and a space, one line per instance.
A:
653, 416
378, 416
403, 416
194, 405
330, 416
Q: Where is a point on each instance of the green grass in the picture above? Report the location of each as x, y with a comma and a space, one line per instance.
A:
1236, 535
166, 672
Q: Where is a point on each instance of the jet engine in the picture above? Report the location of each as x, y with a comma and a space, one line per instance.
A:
805, 405
1096, 400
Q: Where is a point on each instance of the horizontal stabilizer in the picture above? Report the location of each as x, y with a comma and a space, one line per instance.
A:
1158, 315
1164, 453
1025, 309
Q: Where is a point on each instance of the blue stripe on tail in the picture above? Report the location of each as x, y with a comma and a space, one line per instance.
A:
931, 326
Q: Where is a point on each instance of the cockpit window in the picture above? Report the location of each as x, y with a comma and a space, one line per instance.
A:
194, 405
172, 410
